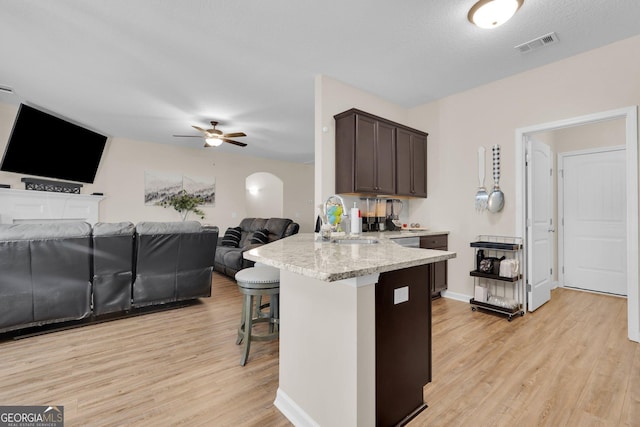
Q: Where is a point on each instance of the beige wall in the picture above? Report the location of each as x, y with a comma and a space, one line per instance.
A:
600, 80
121, 178
333, 97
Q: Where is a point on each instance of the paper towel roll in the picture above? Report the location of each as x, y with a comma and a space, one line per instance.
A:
356, 221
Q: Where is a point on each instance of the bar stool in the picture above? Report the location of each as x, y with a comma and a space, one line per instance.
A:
254, 282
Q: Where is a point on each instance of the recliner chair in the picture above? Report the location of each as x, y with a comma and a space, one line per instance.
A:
174, 261
45, 273
112, 266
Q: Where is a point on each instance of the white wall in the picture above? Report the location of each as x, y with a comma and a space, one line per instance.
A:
266, 200
600, 80
121, 178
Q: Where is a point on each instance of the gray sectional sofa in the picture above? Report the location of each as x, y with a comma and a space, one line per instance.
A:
229, 259
52, 273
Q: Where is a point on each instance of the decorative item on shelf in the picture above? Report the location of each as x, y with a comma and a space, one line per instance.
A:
184, 203
54, 186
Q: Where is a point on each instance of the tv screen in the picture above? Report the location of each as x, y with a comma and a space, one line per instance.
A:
47, 146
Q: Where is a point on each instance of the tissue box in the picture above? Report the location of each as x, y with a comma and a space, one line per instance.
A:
481, 294
509, 268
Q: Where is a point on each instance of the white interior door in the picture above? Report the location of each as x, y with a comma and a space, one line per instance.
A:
594, 220
539, 223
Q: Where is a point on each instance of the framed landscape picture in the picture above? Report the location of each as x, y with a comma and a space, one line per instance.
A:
159, 186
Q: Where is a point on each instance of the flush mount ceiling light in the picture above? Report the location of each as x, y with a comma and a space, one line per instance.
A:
492, 13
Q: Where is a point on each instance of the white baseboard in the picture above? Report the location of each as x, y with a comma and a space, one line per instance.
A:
292, 411
456, 296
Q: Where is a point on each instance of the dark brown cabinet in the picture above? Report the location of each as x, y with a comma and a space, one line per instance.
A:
403, 344
437, 270
369, 159
374, 156
411, 163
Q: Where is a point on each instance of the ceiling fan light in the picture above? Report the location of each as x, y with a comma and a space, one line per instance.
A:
213, 142
493, 13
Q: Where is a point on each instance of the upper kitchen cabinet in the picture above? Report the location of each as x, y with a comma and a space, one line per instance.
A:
377, 156
411, 163
365, 154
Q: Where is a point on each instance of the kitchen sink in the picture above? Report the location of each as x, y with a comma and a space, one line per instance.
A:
355, 241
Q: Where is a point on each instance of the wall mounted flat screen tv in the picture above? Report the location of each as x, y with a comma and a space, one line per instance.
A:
44, 145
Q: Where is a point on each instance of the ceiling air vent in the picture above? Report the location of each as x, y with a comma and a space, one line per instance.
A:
537, 43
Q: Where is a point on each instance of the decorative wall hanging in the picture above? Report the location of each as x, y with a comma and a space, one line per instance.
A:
159, 187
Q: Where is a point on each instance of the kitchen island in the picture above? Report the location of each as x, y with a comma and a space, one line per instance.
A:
355, 328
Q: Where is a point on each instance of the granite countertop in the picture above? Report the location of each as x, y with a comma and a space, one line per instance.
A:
305, 254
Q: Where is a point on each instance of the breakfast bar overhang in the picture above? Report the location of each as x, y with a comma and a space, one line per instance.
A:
355, 328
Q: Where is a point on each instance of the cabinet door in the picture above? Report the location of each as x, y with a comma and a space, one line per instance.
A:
437, 270
374, 156
411, 158
385, 159
345, 153
403, 162
419, 165
439, 275
365, 148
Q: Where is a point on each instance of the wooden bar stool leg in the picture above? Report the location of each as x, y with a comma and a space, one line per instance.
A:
274, 312
248, 325
241, 328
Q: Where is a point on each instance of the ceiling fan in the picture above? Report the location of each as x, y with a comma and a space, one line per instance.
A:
214, 137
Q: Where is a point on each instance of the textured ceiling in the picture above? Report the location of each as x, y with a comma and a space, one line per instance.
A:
149, 69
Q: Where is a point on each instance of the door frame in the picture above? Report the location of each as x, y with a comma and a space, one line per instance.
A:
560, 192
630, 114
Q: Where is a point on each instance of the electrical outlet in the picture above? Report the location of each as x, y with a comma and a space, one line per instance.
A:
400, 295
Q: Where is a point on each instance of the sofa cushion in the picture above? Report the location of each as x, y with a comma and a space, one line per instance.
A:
232, 237
113, 229
260, 236
248, 227
56, 230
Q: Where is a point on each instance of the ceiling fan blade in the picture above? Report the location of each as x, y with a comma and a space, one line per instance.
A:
230, 141
188, 136
234, 134
200, 129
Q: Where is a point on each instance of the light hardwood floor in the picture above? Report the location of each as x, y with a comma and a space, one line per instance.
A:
567, 364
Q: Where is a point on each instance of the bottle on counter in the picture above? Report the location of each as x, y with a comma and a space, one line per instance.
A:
356, 219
